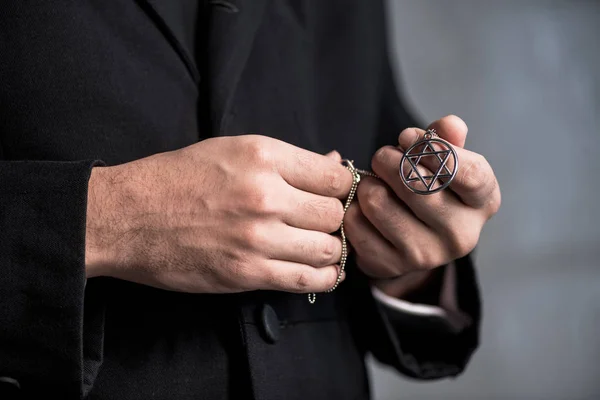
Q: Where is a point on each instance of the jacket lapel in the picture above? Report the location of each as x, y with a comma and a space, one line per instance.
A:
160, 11
233, 26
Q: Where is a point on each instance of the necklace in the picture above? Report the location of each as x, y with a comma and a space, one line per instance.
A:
411, 176
356, 175
430, 146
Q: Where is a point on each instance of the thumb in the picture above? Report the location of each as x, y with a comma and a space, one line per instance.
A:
451, 128
333, 154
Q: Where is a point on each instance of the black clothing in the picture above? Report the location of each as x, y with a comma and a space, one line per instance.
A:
102, 83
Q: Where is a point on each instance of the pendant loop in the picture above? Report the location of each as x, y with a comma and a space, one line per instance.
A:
429, 134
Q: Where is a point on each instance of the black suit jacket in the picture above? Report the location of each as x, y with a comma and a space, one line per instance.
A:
95, 83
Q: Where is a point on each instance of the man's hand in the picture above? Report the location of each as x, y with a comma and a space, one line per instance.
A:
227, 214
396, 232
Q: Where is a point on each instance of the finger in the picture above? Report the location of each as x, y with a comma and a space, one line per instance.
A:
450, 128
334, 155
314, 212
312, 248
409, 137
436, 210
314, 173
418, 173
475, 182
419, 245
456, 224
375, 255
298, 278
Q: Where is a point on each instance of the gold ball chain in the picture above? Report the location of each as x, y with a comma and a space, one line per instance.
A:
356, 175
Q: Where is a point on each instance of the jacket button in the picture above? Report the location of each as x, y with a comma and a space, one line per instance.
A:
9, 386
269, 323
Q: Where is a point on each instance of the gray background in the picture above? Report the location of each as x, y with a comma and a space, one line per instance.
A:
525, 76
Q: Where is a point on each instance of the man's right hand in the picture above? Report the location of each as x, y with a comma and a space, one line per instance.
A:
228, 214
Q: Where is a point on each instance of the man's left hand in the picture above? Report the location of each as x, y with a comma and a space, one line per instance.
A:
399, 234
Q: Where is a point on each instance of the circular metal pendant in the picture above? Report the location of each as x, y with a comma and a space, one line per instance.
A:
437, 156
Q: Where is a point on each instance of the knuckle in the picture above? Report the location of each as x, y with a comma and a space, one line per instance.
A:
258, 150
381, 158
329, 251
477, 174
242, 271
302, 281
374, 197
246, 273
261, 201
272, 279
462, 242
419, 258
333, 180
254, 236
258, 200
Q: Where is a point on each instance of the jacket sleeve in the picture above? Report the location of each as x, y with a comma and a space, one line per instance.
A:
419, 347
51, 321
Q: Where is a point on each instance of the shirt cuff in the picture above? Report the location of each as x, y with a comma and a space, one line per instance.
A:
447, 310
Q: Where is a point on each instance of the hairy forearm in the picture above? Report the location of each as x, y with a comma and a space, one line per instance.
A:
216, 217
110, 195
98, 205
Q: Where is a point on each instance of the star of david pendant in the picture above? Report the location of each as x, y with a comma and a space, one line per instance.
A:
434, 155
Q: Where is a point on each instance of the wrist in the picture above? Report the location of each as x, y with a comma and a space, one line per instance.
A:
102, 217
416, 286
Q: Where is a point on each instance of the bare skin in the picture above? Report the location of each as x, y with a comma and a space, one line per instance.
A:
224, 215
235, 214
400, 236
